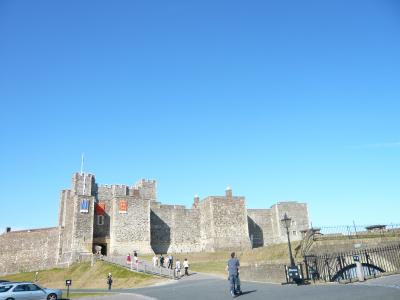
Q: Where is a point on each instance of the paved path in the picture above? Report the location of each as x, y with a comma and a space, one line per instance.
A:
202, 287
392, 281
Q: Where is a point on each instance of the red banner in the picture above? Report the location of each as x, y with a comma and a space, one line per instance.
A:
100, 208
123, 206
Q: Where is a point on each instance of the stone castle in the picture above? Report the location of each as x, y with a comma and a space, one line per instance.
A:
122, 218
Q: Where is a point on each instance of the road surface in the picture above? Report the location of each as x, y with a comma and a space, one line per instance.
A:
200, 286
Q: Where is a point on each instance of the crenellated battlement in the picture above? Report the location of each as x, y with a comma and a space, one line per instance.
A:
84, 184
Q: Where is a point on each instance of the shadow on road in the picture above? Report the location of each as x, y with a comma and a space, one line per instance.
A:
248, 292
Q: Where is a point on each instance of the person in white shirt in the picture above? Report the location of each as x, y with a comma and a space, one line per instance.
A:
155, 260
186, 266
166, 261
178, 268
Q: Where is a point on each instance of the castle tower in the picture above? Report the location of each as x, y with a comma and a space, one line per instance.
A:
76, 217
223, 223
130, 218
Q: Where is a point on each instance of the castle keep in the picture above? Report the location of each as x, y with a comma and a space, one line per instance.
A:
122, 218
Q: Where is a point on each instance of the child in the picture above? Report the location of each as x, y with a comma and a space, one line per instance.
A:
109, 281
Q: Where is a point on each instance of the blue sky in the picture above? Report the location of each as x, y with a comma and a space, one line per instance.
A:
281, 100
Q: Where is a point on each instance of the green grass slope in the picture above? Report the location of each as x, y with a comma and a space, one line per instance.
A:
84, 276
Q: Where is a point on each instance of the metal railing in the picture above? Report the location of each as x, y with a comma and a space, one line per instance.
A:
141, 266
341, 266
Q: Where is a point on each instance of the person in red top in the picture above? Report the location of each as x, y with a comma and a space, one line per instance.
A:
128, 259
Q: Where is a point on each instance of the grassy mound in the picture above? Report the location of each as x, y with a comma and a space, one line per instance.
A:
215, 262
87, 277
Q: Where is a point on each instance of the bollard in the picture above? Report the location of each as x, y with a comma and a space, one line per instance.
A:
360, 273
359, 268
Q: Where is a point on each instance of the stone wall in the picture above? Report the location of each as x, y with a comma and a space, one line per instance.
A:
82, 227
223, 222
101, 232
260, 227
147, 189
83, 184
298, 212
131, 230
174, 228
263, 273
66, 224
28, 250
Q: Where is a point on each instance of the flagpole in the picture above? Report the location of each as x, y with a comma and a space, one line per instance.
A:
84, 177
82, 160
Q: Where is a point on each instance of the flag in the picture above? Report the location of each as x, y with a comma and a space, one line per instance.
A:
84, 206
100, 208
123, 206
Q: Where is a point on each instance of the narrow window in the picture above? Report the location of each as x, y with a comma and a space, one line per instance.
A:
100, 220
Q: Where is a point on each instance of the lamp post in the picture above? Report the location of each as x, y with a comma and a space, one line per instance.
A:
286, 221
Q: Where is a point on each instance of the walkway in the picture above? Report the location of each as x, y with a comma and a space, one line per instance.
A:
200, 287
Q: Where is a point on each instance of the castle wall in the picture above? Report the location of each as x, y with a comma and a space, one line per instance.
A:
82, 227
101, 232
65, 238
223, 222
186, 231
147, 189
131, 230
298, 212
260, 227
28, 250
83, 184
174, 228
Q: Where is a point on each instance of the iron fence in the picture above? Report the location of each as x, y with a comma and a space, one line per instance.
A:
341, 266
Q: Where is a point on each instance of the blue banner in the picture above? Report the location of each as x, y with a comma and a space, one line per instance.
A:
84, 206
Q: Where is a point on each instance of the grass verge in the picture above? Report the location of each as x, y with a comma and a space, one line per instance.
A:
87, 277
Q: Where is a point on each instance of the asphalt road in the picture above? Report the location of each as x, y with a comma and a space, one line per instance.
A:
207, 287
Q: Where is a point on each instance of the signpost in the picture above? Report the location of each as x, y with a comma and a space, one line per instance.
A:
68, 282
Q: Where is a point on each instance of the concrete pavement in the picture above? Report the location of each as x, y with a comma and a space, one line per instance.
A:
200, 286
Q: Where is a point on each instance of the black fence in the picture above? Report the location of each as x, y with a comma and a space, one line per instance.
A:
341, 266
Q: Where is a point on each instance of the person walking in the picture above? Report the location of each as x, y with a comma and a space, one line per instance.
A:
171, 261
161, 261
233, 271
155, 260
129, 260
109, 281
166, 261
186, 266
178, 268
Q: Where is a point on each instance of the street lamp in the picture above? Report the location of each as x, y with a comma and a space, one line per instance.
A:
286, 221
